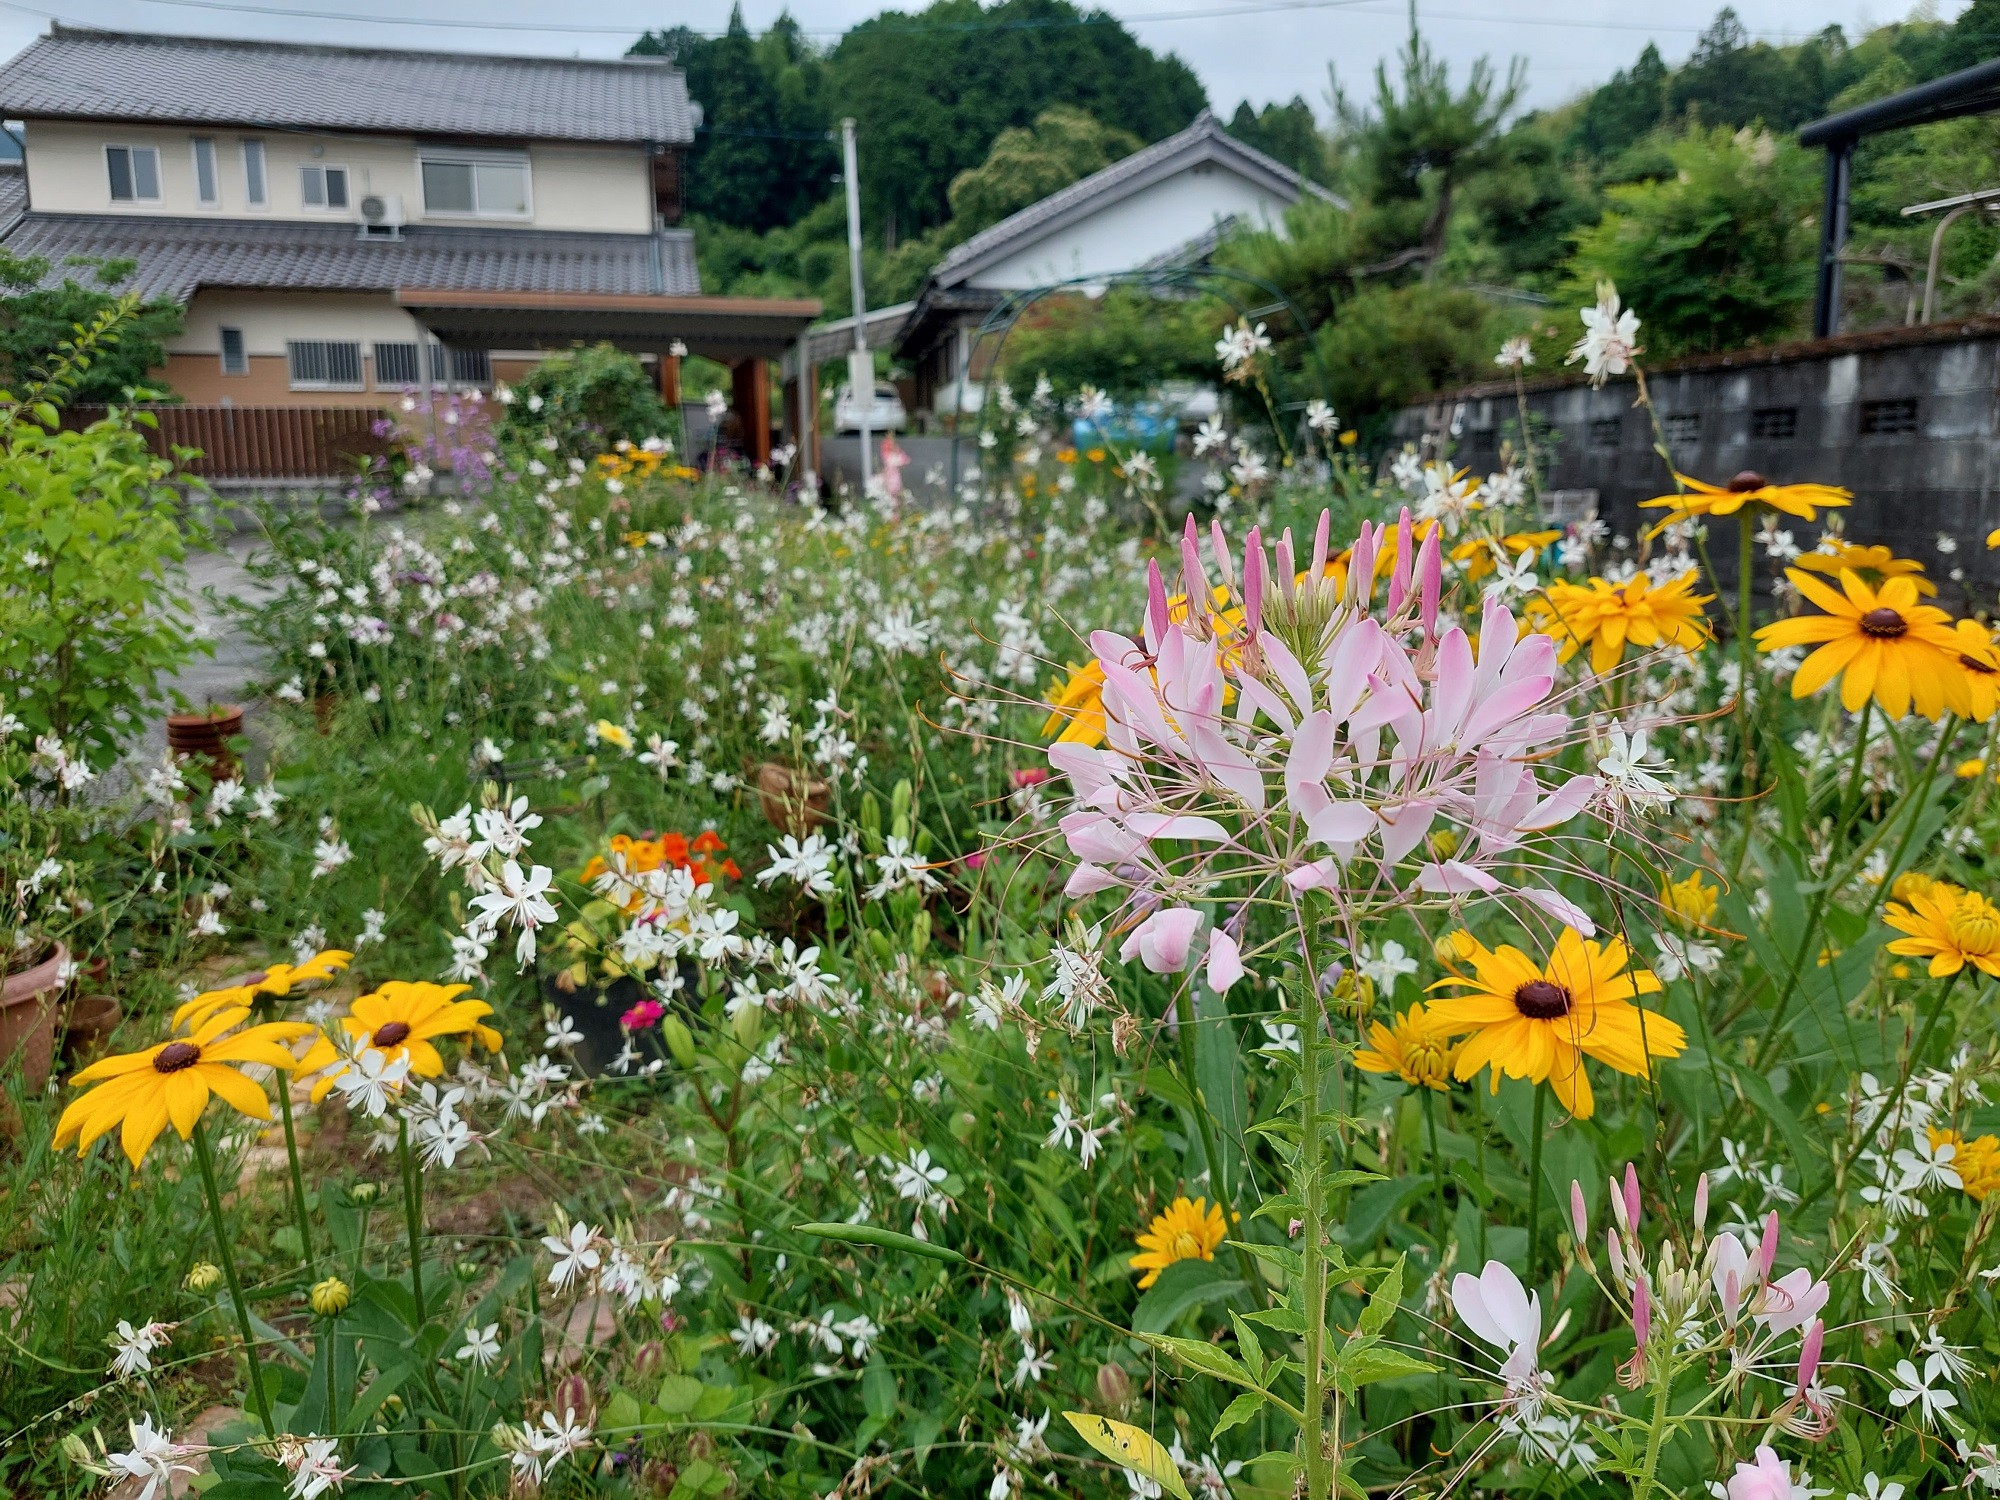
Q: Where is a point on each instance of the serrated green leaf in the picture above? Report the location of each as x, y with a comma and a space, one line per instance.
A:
1239, 1411
1199, 1354
1385, 1302
1251, 1351
1364, 1364
1286, 1260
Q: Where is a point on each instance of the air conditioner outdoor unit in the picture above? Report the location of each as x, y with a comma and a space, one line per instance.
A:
381, 213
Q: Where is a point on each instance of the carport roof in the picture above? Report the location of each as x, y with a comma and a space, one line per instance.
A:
722, 328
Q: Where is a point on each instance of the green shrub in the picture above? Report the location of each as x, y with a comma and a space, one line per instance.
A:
587, 400
93, 612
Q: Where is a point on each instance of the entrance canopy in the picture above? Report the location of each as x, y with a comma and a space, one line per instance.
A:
1970, 91
727, 329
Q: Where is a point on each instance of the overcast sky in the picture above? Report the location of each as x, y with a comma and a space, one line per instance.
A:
1255, 49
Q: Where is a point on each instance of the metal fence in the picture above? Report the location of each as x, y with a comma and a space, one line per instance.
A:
260, 442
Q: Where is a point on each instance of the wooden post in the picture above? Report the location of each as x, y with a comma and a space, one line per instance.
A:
670, 383
808, 438
750, 384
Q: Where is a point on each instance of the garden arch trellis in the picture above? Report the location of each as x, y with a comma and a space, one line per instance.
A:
1227, 284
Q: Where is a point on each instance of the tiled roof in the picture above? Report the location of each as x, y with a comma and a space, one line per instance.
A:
177, 256
1204, 140
73, 73
13, 192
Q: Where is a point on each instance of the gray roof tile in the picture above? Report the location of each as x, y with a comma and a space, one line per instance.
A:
1205, 139
75, 73
177, 256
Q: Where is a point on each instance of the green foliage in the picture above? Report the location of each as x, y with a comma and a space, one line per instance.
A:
1027, 164
1124, 343
763, 156
92, 610
1717, 255
1288, 132
587, 399
1390, 344
36, 319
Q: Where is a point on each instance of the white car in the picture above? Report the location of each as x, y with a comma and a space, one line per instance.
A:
885, 413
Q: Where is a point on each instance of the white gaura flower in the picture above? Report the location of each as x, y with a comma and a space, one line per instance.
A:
1610, 339
1922, 1390
481, 1346
1320, 417
1515, 354
370, 1081
560, 1439
1032, 1365
519, 899
314, 1464
809, 863
1210, 437
135, 1347
1628, 771
899, 868
1241, 344
1386, 967
752, 1335
576, 1253
154, 1457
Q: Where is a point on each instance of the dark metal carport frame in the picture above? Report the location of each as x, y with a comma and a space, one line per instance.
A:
1970, 91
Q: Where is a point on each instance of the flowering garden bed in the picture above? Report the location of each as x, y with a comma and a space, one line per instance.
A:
698, 991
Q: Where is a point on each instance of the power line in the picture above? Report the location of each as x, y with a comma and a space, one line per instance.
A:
1142, 18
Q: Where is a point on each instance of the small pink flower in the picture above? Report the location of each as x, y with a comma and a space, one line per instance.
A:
1162, 941
642, 1015
976, 860
1030, 776
1770, 1478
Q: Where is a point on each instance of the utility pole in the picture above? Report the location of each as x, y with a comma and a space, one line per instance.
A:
860, 364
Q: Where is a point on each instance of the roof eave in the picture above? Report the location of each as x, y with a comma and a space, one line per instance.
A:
227, 122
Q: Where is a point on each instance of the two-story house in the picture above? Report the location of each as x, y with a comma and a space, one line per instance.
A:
344, 223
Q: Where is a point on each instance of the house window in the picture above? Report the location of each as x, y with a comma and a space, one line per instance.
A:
206, 191
1684, 427
1879, 418
254, 191
135, 173
324, 365
480, 187
470, 367
1604, 432
323, 187
1774, 422
235, 357
396, 364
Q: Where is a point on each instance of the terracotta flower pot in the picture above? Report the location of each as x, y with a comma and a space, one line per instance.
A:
28, 1016
793, 801
88, 1022
206, 737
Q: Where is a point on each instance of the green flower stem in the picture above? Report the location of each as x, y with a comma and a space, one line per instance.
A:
1655, 1436
1312, 1432
298, 1178
206, 1161
1437, 1165
1535, 1188
413, 1217
1745, 577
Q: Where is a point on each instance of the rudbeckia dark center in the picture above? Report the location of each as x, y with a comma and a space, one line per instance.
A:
1541, 1000
1974, 664
1748, 480
1884, 623
175, 1056
392, 1034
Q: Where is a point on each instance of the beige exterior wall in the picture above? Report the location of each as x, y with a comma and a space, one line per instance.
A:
270, 319
582, 188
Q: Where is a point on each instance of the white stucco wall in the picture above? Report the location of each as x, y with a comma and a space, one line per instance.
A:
571, 187
1131, 231
269, 319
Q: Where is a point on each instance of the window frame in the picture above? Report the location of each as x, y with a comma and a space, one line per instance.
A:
242, 350
473, 160
198, 146
132, 173
416, 355
256, 179
359, 383
325, 206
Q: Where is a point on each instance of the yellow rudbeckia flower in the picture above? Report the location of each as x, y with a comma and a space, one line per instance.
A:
402, 1019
